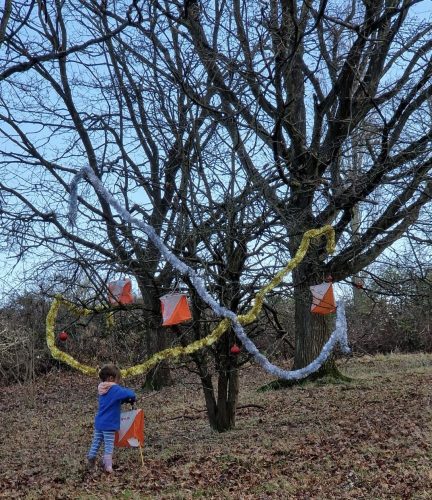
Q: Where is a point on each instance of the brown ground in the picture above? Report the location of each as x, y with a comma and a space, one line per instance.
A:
369, 439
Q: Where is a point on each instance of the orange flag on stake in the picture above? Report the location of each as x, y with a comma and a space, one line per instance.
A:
175, 309
323, 301
120, 292
131, 432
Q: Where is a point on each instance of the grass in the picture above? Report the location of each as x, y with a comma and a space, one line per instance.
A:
366, 439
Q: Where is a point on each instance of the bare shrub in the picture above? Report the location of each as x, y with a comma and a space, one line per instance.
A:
23, 351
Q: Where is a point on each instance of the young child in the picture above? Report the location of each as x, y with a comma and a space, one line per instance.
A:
107, 421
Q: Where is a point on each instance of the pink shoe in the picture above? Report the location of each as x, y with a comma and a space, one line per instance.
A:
107, 461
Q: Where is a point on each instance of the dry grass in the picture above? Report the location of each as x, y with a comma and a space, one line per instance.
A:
369, 439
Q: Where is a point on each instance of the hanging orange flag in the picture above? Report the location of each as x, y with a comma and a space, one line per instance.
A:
131, 432
323, 301
175, 309
120, 292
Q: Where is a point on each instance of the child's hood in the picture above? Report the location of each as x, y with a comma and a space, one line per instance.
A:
104, 387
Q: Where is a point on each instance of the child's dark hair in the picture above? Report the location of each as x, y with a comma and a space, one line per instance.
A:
108, 371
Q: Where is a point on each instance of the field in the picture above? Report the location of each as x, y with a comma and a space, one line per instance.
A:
367, 439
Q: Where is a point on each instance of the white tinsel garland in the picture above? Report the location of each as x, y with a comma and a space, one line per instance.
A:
339, 335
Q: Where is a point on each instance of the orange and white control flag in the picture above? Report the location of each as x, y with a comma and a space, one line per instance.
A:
120, 292
175, 309
131, 432
323, 301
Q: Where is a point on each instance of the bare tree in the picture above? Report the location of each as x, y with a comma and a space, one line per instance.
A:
103, 107
296, 81
5, 19
228, 249
112, 103
228, 127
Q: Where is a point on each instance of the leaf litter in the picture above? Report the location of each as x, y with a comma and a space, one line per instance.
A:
367, 439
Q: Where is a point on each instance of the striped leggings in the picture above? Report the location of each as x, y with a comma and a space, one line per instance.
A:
108, 439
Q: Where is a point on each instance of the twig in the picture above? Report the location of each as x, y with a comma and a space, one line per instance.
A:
196, 417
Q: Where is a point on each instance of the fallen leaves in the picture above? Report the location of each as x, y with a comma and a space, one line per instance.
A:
368, 439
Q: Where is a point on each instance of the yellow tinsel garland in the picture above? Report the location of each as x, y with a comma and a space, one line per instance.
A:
55, 351
216, 333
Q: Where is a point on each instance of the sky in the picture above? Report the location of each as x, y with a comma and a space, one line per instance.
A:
15, 275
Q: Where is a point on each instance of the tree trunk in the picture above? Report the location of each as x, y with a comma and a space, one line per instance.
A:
228, 387
221, 410
159, 376
156, 340
209, 396
312, 330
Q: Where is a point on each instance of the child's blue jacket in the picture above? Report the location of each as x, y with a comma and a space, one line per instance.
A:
108, 415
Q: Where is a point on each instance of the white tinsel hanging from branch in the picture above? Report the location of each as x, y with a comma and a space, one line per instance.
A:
339, 335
